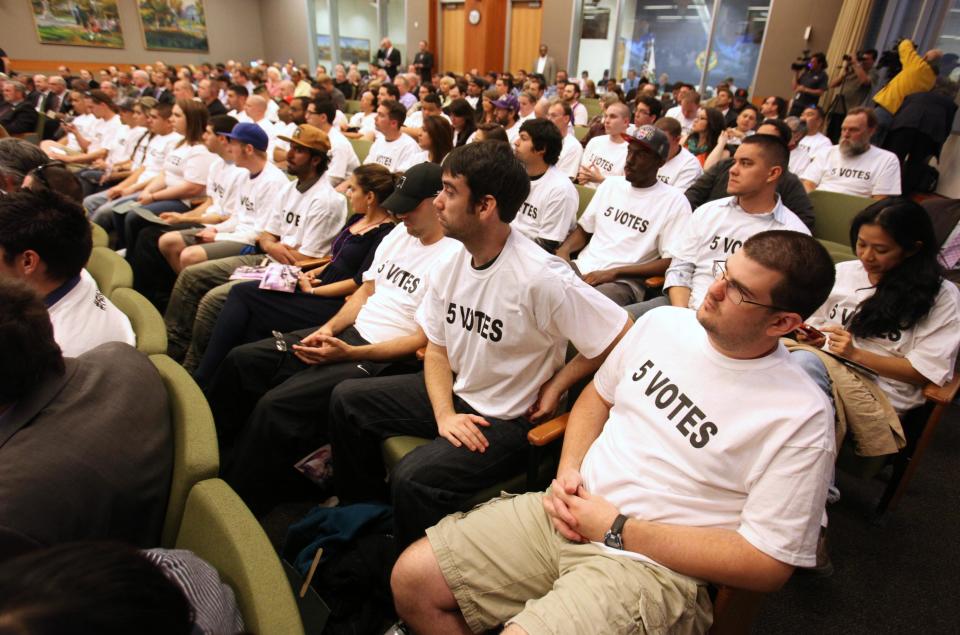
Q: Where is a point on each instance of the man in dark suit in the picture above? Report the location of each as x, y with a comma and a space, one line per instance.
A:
209, 92
23, 117
41, 92
546, 65
85, 453
388, 58
423, 62
58, 99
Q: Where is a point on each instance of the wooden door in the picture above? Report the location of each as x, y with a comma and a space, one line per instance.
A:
453, 18
525, 22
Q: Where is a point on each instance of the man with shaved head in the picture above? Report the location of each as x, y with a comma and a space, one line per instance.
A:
182, 89
605, 156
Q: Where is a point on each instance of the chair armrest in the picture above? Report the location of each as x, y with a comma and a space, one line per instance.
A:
547, 432
654, 281
943, 394
312, 263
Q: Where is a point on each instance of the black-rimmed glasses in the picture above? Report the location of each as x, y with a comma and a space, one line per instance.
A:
734, 291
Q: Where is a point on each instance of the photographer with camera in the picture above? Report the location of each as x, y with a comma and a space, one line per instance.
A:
917, 76
809, 82
855, 82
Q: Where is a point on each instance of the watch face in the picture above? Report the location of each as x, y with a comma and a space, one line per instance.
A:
613, 540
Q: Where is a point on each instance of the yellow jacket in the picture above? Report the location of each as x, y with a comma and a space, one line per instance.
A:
916, 77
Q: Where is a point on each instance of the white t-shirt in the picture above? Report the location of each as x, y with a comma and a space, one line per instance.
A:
550, 211
108, 133
506, 327
681, 171
415, 119
715, 231
117, 151
875, 172
930, 346
686, 125
258, 198
86, 125
570, 156
275, 143
513, 133
157, 151
343, 158
800, 158
240, 116
84, 319
397, 155
131, 151
400, 270
308, 221
608, 156
631, 225
365, 122
187, 164
816, 143
223, 186
580, 114
692, 441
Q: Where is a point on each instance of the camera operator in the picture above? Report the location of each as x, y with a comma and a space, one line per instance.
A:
917, 76
858, 78
809, 83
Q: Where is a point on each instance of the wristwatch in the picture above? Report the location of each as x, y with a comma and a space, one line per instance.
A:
614, 536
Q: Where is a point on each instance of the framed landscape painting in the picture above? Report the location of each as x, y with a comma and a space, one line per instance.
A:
78, 22
173, 25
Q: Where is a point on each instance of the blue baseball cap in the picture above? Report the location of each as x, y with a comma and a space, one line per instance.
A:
250, 133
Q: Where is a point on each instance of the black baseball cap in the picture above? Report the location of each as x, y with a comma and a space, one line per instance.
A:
420, 182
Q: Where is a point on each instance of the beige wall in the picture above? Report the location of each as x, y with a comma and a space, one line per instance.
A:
555, 30
784, 41
285, 34
233, 30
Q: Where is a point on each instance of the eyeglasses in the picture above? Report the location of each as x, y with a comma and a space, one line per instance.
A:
734, 292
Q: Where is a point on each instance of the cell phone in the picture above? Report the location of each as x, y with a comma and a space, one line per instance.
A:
810, 332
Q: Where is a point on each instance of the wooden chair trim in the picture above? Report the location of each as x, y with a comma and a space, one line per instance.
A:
945, 394
654, 282
548, 432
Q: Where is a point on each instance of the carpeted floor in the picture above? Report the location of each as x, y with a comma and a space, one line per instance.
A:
902, 577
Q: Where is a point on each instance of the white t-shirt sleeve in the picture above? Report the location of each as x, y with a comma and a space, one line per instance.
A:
322, 226
887, 181
430, 314
198, 166
815, 168
782, 513
608, 375
937, 337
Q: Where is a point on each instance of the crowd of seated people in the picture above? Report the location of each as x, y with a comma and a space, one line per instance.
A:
444, 218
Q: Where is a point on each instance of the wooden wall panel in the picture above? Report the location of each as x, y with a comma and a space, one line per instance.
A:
525, 27
454, 19
486, 41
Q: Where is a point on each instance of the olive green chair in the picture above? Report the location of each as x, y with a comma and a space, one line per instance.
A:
218, 527
361, 147
580, 132
146, 320
100, 237
592, 105
110, 270
586, 195
833, 212
353, 105
195, 453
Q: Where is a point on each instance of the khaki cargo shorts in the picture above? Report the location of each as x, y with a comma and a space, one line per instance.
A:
505, 563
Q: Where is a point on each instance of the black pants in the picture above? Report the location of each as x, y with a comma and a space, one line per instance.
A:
271, 410
251, 313
152, 275
914, 150
432, 480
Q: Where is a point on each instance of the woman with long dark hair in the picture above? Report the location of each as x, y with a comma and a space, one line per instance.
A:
891, 310
706, 131
250, 313
436, 138
463, 117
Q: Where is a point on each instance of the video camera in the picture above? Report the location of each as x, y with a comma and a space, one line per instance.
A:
802, 62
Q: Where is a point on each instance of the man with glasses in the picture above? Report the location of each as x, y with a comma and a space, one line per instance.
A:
675, 470
723, 225
270, 407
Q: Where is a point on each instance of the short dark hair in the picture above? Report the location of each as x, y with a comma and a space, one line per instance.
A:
123, 592
567, 110
396, 111
49, 224
815, 108
325, 106
654, 104
490, 168
56, 177
807, 269
163, 108
772, 148
781, 105
545, 137
669, 125
239, 89
391, 89
576, 87
783, 130
493, 131
432, 98
17, 157
26, 339
222, 124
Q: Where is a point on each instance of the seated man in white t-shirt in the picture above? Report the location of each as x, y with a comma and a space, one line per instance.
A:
719, 228
699, 453
686, 111
550, 211
268, 416
45, 241
321, 114
624, 234
561, 115
814, 139
681, 168
605, 155
505, 112
392, 149
497, 315
854, 166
